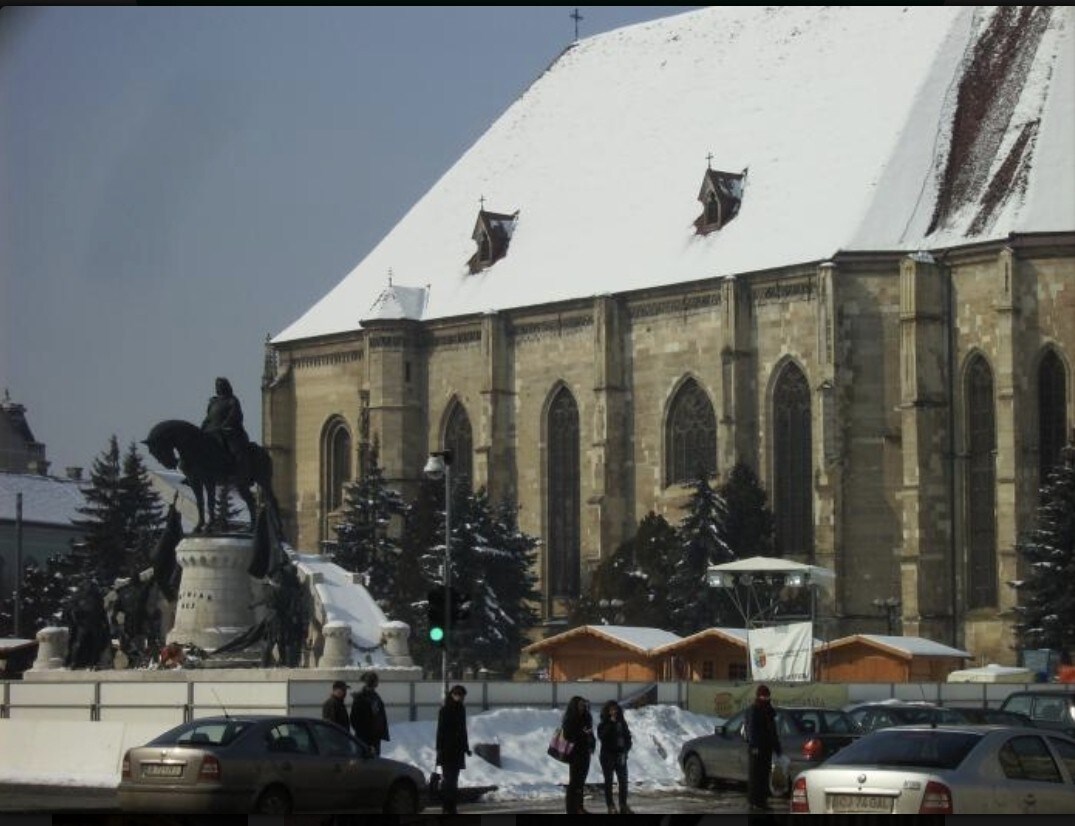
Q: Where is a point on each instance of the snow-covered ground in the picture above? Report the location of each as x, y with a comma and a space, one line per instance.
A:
526, 772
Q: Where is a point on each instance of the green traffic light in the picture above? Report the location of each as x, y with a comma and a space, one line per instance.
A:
436, 634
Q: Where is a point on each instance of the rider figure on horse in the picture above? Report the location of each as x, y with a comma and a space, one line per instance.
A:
224, 423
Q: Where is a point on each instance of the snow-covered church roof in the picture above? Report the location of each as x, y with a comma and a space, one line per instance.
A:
868, 128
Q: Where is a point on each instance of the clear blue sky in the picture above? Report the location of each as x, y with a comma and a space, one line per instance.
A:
178, 183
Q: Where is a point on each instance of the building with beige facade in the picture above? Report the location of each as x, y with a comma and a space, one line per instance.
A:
835, 244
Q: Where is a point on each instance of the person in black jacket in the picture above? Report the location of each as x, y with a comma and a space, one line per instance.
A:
453, 747
615, 738
334, 709
577, 728
368, 717
763, 742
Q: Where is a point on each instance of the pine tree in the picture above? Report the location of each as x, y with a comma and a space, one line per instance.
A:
1046, 607
748, 525
365, 543
422, 552
124, 517
104, 524
692, 604
143, 512
631, 587
42, 594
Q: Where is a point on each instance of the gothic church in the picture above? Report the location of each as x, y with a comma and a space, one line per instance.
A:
836, 244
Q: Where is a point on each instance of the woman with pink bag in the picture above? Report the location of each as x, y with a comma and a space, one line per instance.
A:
577, 728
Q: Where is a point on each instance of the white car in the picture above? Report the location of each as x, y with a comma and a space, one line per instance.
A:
944, 770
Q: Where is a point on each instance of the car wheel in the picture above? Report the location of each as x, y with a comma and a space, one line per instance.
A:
402, 799
273, 801
694, 771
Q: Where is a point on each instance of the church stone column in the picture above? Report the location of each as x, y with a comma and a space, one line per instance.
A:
607, 505
397, 378
829, 448
737, 420
927, 565
494, 453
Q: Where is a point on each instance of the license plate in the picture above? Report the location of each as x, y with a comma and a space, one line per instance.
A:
162, 769
860, 803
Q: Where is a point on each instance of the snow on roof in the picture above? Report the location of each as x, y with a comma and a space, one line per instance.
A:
737, 636
638, 638
911, 646
46, 500
845, 119
398, 302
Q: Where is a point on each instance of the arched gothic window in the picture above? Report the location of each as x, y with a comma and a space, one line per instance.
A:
712, 209
336, 450
981, 486
565, 533
792, 467
1052, 413
690, 435
458, 438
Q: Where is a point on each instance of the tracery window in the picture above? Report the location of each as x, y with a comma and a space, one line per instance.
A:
690, 435
1052, 413
981, 486
563, 495
458, 438
336, 450
792, 469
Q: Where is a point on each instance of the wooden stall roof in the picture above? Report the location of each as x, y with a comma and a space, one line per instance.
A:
633, 638
906, 648
734, 636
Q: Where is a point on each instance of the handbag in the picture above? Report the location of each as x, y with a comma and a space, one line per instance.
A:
559, 747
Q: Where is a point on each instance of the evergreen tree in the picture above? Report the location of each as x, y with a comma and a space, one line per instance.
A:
365, 543
748, 523
123, 514
1046, 607
43, 592
631, 587
692, 604
143, 512
505, 591
103, 526
419, 571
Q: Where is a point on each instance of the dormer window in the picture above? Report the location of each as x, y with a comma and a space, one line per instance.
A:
492, 233
720, 195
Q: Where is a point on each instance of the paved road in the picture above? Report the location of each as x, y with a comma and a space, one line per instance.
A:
33, 799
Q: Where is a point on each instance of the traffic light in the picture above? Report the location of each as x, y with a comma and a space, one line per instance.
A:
438, 634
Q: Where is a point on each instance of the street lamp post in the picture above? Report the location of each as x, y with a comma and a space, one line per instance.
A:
890, 605
437, 466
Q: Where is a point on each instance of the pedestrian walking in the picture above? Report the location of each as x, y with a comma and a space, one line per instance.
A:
763, 742
614, 735
368, 717
577, 728
453, 747
334, 709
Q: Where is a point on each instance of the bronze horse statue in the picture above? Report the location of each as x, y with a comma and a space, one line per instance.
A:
205, 463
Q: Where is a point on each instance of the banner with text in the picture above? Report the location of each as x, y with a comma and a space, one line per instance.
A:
782, 653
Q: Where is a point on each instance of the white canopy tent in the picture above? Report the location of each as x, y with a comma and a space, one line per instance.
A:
757, 586
993, 673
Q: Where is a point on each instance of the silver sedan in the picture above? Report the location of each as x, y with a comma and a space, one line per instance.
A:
944, 770
266, 765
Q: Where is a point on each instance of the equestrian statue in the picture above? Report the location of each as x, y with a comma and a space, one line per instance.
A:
217, 453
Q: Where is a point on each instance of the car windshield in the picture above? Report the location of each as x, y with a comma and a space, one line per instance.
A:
203, 733
892, 747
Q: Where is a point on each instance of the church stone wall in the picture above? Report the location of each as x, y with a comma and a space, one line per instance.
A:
883, 340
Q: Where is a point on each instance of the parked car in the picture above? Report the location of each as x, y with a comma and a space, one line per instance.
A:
994, 716
944, 770
1047, 709
808, 735
872, 716
265, 765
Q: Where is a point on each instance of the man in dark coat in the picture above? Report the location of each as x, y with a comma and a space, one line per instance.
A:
368, 717
763, 742
453, 746
334, 709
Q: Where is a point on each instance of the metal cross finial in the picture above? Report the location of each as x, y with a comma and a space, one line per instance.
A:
389, 276
481, 203
576, 17
709, 160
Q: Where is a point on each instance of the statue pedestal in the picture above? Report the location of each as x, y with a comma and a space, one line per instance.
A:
216, 596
